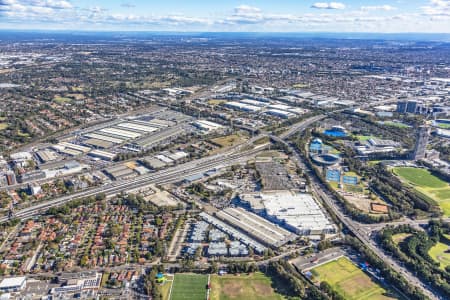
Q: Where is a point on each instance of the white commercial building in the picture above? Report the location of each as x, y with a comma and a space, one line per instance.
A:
298, 212
75, 147
97, 136
256, 227
103, 154
280, 113
254, 102
13, 284
120, 133
137, 127
243, 106
207, 125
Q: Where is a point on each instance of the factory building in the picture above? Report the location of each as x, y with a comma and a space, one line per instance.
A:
242, 106
31, 176
102, 137
108, 156
254, 102
13, 284
120, 172
98, 144
256, 227
296, 212
137, 127
120, 133
280, 113
79, 148
46, 155
236, 234
207, 126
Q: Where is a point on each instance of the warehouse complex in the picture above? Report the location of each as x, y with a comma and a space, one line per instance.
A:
298, 212
256, 227
232, 231
267, 107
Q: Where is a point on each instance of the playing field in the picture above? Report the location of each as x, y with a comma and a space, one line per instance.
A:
396, 124
3, 126
428, 184
61, 100
441, 253
189, 287
255, 286
349, 281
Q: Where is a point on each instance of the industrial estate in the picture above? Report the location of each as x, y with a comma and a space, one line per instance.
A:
208, 167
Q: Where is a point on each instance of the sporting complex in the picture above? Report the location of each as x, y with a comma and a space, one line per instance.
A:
245, 287
349, 281
428, 184
189, 287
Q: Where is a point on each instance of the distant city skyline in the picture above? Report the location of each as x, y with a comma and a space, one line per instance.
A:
401, 16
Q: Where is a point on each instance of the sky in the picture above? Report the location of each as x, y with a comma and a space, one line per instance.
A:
379, 16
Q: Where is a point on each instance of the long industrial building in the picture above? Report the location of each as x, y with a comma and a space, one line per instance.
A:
259, 248
297, 212
137, 127
121, 133
242, 106
256, 227
115, 140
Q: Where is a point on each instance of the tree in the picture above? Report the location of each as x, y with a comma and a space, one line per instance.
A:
214, 268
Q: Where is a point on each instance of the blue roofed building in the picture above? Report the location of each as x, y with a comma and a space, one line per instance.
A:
316, 145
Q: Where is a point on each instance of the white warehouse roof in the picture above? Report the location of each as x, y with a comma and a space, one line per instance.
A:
243, 106
12, 282
298, 211
120, 132
138, 127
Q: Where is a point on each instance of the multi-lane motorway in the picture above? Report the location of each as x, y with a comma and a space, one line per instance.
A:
356, 228
232, 156
229, 157
170, 175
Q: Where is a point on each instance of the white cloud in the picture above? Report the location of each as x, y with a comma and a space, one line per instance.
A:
247, 9
328, 5
385, 7
64, 14
437, 8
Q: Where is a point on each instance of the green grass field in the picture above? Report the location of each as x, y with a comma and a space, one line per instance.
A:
441, 253
420, 177
396, 124
363, 138
189, 287
428, 184
255, 286
349, 281
3, 126
443, 125
400, 237
61, 100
